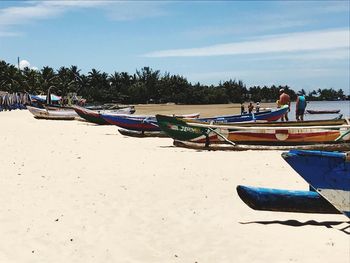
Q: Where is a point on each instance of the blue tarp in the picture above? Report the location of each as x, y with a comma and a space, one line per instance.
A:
43, 97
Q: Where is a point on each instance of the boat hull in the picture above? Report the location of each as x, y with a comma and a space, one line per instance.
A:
327, 172
282, 133
322, 111
61, 114
139, 123
134, 123
95, 116
280, 200
261, 116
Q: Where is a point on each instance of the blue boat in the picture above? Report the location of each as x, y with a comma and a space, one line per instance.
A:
280, 200
141, 123
327, 172
149, 123
134, 123
270, 115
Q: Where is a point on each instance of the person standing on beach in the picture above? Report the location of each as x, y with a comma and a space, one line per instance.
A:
242, 109
250, 108
284, 100
257, 108
300, 107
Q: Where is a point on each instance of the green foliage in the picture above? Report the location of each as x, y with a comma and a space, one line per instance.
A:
145, 86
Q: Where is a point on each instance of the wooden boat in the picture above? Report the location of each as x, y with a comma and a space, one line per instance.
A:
327, 172
143, 134
322, 111
95, 116
140, 123
58, 114
111, 106
339, 146
280, 200
269, 115
296, 133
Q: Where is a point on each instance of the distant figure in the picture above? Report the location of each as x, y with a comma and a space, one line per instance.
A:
284, 100
250, 108
300, 107
242, 109
257, 108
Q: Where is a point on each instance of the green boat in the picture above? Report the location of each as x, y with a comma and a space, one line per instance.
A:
179, 129
276, 133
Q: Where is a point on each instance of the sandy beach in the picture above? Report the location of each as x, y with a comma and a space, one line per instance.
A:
76, 192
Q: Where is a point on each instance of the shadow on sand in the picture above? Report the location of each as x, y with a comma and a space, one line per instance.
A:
344, 226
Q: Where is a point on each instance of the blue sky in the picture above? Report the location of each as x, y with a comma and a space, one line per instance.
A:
303, 44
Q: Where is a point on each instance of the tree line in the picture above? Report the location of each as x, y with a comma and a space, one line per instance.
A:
144, 86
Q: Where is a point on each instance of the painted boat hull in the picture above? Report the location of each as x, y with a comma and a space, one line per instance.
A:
139, 123
261, 116
137, 134
95, 116
283, 134
327, 172
322, 111
279, 200
134, 123
258, 147
62, 114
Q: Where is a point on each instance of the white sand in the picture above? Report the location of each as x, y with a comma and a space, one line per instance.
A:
76, 192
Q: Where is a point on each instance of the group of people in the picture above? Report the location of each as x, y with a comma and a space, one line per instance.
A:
283, 100
250, 108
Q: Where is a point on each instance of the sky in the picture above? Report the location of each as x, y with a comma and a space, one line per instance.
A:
302, 44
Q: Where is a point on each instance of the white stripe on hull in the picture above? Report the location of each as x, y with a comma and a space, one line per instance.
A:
338, 198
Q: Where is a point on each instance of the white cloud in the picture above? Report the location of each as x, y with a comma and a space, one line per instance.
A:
116, 10
293, 42
330, 54
126, 11
36, 10
25, 64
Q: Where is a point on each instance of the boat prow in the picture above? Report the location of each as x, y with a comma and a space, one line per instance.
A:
327, 172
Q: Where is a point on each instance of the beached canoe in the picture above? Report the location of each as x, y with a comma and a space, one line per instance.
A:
94, 116
57, 114
270, 115
143, 134
327, 172
140, 123
284, 134
280, 200
322, 111
224, 146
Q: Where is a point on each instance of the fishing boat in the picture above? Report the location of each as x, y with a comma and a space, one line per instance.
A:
94, 116
322, 111
143, 134
327, 172
110, 106
283, 133
141, 123
57, 114
281, 200
336, 146
269, 115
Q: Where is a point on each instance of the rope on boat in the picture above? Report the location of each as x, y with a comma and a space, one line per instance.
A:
342, 136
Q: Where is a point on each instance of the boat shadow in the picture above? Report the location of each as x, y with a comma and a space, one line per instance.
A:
343, 226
